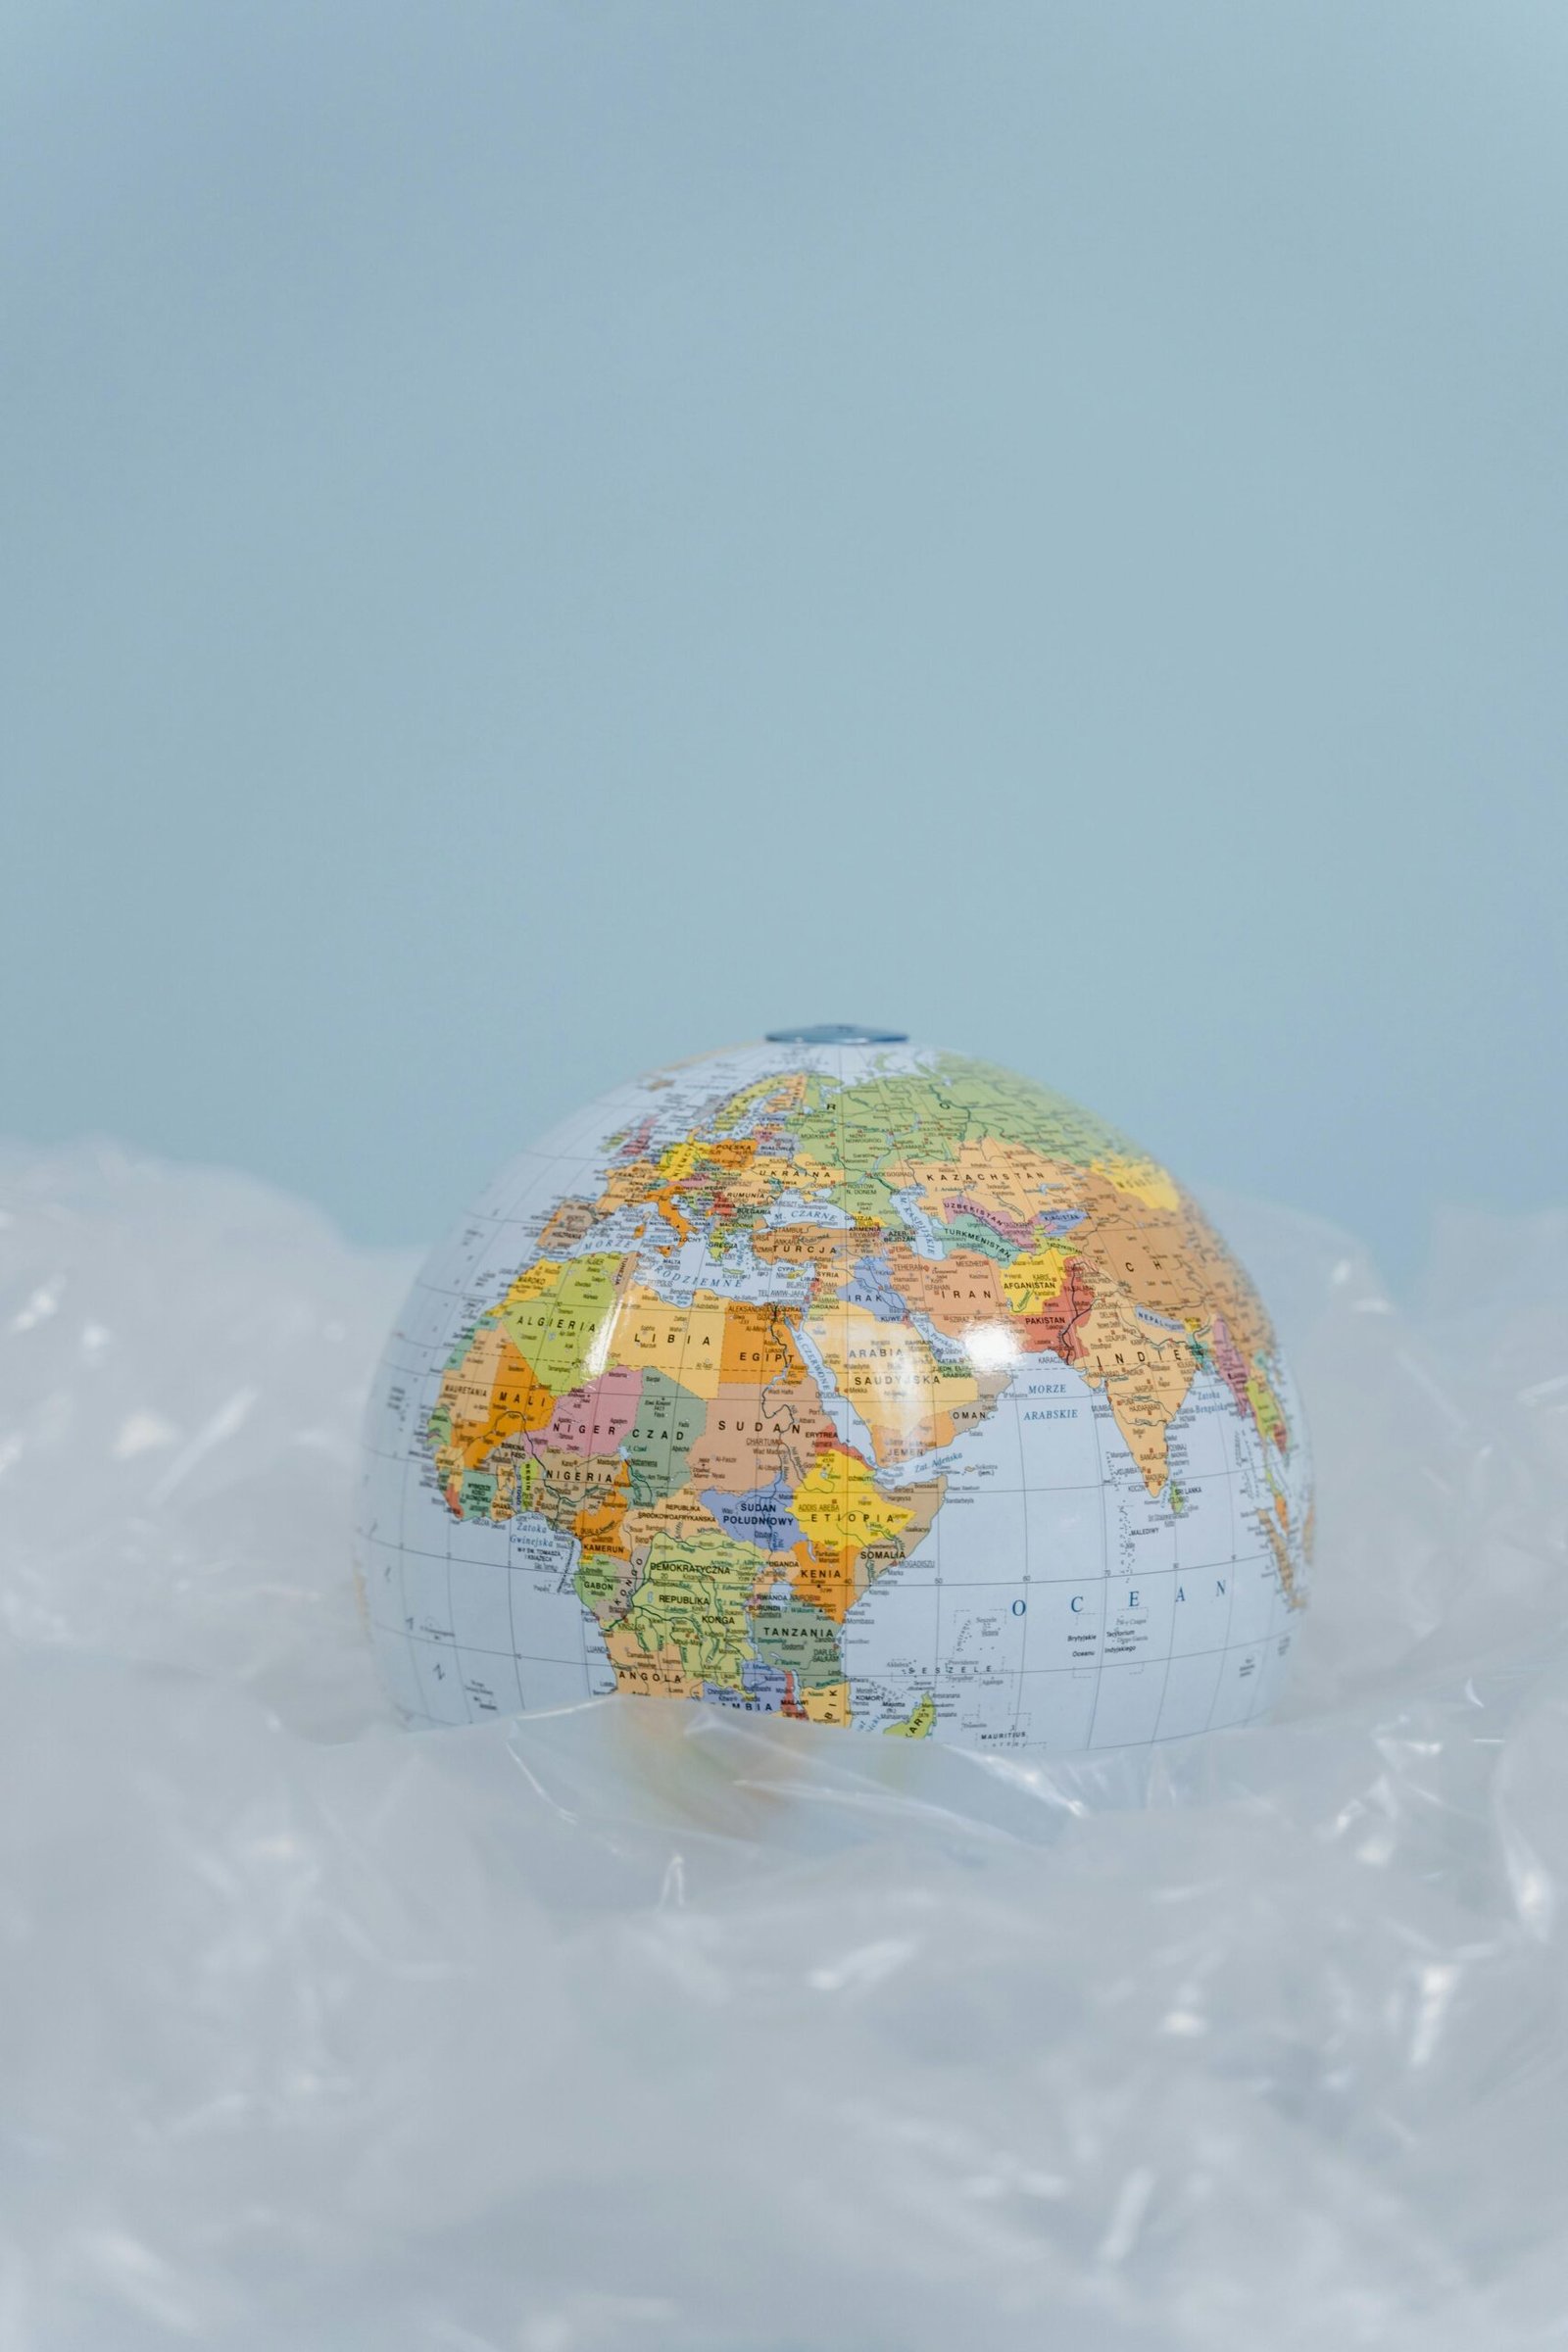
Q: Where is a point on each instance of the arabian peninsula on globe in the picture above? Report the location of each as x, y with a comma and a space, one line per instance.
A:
845, 1379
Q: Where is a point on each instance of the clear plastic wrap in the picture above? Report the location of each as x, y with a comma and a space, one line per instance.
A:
654, 2026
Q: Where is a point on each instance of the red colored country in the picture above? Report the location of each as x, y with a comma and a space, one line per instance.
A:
1055, 1327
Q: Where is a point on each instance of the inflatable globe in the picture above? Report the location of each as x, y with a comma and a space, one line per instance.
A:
845, 1379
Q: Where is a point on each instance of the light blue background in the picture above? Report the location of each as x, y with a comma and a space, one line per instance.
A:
542, 539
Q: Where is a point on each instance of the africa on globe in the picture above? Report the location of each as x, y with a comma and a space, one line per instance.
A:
846, 1379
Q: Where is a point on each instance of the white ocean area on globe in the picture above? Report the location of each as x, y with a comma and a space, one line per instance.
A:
1110, 1657
662, 2026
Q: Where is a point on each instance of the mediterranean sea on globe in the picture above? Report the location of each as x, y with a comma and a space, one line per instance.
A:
846, 1379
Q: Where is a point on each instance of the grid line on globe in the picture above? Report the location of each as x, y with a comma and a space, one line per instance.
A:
859, 1382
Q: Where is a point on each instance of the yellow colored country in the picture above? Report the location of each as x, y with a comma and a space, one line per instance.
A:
1035, 1278
841, 1507
685, 1343
1142, 1177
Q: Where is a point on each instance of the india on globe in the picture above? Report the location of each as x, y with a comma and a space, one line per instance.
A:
845, 1379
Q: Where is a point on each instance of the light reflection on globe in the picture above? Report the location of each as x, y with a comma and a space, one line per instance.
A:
845, 1379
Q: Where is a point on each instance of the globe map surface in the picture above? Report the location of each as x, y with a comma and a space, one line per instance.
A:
845, 1379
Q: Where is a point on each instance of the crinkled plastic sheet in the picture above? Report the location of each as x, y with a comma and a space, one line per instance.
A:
648, 2027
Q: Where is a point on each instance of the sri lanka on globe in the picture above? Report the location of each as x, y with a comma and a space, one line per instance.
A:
839, 1378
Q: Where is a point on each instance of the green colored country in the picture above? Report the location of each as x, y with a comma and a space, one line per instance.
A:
862, 1128
997, 1101
598, 1579
670, 1421
693, 1597
930, 1114
973, 1233
581, 1485
799, 1639
477, 1494
555, 1332
1266, 1409
916, 1726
